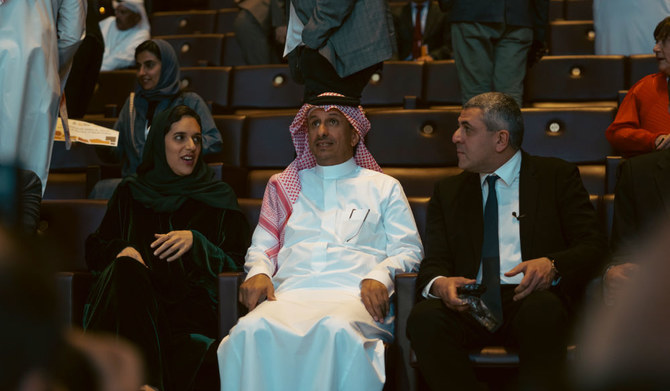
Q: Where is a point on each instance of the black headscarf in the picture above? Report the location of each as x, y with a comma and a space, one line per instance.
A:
157, 187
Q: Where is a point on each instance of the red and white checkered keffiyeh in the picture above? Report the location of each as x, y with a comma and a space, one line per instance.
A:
283, 189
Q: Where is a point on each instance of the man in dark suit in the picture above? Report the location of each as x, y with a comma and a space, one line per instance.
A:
492, 41
431, 40
641, 202
336, 45
535, 248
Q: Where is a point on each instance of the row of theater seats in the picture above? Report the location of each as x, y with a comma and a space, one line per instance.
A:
570, 31
68, 222
412, 145
554, 81
220, 48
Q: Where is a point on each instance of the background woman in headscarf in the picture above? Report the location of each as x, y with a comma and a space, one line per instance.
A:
123, 33
158, 89
167, 234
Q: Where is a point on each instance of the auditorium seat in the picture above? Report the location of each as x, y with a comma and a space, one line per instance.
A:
66, 184
413, 138
578, 9
218, 4
65, 225
612, 173
264, 87
268, 149
183, 22
224, 20
197, 50
576, 135
440, 84
232, 54
556, 11
566, 80
570, 37
231, 128
420, 182
640, 65
112, 88
211, 83
391, 84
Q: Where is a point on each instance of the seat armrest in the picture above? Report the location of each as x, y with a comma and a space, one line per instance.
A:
73, 289
405, 284
230, 308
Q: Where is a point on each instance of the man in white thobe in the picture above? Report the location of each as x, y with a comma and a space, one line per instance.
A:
38, 40
333, 233
123, 33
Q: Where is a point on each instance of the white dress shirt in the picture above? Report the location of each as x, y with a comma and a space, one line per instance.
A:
509, 238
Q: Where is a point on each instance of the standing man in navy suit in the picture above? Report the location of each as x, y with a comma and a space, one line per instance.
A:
535, 246
427, 40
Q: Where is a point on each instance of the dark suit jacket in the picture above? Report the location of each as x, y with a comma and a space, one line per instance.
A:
557, 221
642, 198
351, 34
436, 34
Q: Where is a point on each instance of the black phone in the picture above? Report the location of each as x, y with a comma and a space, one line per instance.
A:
471, 289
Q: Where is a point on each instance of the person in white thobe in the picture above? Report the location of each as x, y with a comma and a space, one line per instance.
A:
333, 233
38, 39
625, 27
123, 33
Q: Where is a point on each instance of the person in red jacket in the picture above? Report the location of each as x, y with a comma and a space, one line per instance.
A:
642, 123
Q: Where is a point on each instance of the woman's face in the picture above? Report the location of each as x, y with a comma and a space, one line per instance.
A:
183, 144
148, 70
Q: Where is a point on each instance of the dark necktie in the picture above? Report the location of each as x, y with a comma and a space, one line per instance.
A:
491, 252
417, 38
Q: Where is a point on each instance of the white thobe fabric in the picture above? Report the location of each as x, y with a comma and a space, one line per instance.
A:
626, 27
348, 224
38, 40
120, 45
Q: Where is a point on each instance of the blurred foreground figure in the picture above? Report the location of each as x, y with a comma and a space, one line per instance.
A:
625, 347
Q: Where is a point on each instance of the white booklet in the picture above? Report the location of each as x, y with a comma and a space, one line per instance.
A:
87, 133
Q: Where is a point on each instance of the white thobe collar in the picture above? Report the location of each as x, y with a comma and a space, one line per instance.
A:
337, 170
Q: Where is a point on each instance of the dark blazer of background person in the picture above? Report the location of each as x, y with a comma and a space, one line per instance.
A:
436, 33
556, 220
351, 34
642, 197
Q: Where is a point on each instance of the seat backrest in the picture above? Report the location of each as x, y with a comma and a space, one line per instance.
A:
569, 37
197, 50
232, 53
575, 78
574, 134
413, 138
419, 207
440, 83
225, 18
112, 87
183, 22
268, 141
257, 180
578, 9
211, 83
216, 4
266, 87
420, 181
639, 66
66, 224
231, 128
251, 207
391, 84
556, 11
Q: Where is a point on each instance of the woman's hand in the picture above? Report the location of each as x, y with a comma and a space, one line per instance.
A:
132, 253
173, 244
